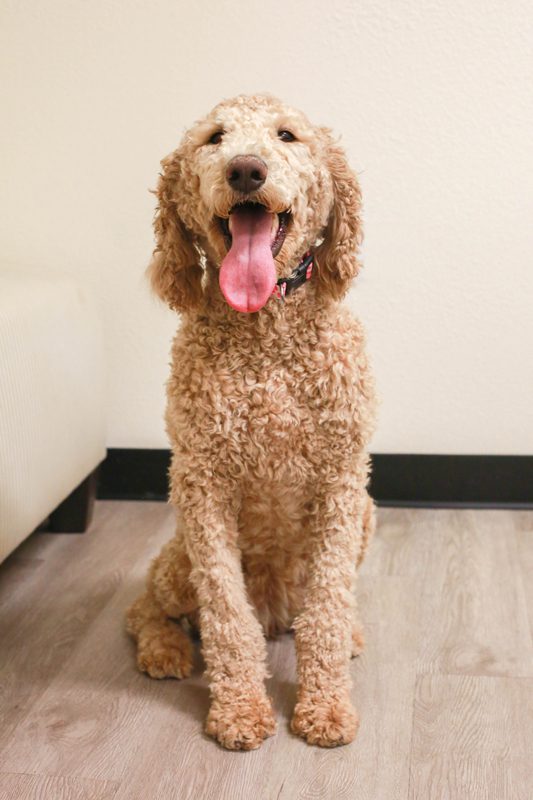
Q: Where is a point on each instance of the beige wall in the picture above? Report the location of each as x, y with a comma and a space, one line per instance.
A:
434, 103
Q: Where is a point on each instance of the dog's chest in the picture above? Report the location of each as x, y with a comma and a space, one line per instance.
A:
278, 418
271, 411
262, 408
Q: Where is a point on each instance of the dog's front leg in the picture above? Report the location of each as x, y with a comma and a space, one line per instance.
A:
233, 643
324, 714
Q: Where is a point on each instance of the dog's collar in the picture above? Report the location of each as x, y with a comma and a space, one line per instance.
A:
298, 277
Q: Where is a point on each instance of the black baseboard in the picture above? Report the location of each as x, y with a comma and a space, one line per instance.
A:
397, 479
453, 480
134, 474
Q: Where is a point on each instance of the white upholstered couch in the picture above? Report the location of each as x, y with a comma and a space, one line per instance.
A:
52, 387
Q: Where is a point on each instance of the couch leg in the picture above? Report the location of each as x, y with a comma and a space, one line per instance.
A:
74, 514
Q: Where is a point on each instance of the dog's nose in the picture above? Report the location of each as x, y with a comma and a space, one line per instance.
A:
246, 173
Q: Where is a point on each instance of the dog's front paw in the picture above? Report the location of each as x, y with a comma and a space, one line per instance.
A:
165, 652
241, 723
327, 721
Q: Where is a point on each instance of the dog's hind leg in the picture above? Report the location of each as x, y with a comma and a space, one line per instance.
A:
368, 528
164, 650
358, 636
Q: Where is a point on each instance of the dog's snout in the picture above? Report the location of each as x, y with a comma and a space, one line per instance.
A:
246, 173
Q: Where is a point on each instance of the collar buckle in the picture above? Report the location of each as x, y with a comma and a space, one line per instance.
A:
298, 277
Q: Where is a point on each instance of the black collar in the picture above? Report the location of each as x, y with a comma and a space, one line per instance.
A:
298, 277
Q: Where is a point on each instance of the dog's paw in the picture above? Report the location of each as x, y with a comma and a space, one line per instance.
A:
325, 721
358, 641
241, 723
165, 652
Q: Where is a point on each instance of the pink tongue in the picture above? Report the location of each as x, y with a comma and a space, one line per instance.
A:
248, 273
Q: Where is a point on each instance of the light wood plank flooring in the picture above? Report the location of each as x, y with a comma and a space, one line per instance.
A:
444, 688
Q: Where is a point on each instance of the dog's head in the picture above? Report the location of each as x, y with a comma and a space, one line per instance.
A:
251, 188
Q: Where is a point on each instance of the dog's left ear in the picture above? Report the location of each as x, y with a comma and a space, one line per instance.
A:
337, 255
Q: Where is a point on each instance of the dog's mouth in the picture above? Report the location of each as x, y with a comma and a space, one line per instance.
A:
254, 236
280, 224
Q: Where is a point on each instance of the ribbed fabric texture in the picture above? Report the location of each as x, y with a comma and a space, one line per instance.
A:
52, 398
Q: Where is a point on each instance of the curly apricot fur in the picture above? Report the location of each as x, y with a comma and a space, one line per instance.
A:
269, 416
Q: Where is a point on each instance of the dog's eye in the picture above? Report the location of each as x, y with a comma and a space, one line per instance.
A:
286, 136
216, 137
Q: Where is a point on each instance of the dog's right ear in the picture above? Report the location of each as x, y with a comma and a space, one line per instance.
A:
175, 272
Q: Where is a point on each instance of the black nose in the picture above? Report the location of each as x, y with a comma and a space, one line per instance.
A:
246, 173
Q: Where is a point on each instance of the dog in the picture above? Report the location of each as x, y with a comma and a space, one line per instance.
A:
270, 407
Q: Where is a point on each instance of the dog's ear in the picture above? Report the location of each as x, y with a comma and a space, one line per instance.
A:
175, 272
337, 255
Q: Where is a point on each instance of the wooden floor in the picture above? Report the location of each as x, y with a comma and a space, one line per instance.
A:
444, 687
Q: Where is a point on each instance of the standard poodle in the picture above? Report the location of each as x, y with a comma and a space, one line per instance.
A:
270, 409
